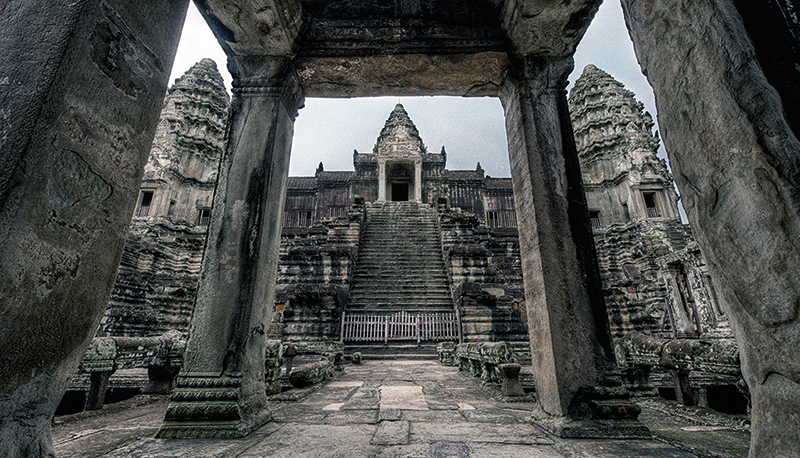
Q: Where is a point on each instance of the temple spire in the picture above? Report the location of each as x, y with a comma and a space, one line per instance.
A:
399, 136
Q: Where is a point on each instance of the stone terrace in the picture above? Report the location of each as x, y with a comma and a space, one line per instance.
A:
395, 409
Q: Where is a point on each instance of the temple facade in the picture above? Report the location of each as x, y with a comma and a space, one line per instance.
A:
654, 277
398, 169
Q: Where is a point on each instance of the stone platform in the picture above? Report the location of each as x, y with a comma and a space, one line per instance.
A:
384, 409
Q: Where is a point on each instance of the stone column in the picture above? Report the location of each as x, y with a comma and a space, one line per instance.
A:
381, 180
220, 391
570, 338
735, 157
418, 180
82, 85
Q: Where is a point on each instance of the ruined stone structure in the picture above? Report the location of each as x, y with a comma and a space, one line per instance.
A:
634, 214
466, 219
81, 104
157, 277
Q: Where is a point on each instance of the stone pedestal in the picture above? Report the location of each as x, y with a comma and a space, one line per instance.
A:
570, 342
511, 385
221, 390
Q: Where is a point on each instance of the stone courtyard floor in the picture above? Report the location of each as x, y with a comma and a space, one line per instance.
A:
395, 409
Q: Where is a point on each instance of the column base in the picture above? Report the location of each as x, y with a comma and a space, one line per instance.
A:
596, 413
210, 407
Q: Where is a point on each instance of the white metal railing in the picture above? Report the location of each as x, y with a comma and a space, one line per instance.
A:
400, 326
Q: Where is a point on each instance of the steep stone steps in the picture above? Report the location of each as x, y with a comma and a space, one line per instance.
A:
399, 268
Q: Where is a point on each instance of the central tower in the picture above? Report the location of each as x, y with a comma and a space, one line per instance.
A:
399, 150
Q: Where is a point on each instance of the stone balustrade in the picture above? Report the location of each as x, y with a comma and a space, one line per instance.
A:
483, 359
161, 355
637, 354
319, 361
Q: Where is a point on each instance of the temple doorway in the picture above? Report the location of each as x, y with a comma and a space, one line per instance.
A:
400, 192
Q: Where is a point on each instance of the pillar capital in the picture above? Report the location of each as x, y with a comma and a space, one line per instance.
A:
267, 76
540, 74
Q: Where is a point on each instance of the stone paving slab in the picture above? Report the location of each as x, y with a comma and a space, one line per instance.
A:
315, 441
342, 420
392, 433
478, 432
403, 397
363, 398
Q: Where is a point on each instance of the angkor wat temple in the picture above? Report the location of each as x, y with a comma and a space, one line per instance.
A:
403, 234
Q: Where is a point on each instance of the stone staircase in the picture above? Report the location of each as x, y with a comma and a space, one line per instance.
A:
399, 268
400, 264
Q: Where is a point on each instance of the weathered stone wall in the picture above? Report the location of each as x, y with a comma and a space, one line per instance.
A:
633, 287
156, 280
486, 277
314, 274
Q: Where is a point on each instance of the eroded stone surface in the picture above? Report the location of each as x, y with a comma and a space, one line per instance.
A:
738, 195
74, 144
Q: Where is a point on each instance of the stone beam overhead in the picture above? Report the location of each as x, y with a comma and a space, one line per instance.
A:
477, 75
547, 28
254, 27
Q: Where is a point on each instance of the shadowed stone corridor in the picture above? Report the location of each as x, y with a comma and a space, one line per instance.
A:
378, 409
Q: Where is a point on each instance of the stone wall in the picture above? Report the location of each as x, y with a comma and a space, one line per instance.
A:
314, 273
486, 277
634, 290
156, 280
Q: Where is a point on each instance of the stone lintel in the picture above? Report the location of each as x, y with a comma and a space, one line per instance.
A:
473, 75
266, 27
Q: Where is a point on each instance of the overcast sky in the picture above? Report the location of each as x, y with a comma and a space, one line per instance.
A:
471, 129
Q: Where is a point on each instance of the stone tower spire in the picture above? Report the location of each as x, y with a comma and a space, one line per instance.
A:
189, 141
399, 136
607, 117
192, 122
618, 151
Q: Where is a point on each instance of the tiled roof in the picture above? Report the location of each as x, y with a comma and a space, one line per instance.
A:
335, 176
301, 183
498, 183
464, 175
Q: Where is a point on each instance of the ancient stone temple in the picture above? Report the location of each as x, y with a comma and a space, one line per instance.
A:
157, 277
635, 220
345, 233
82, 85
347, 244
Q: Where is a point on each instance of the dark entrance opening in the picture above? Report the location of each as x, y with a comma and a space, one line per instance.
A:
400, 192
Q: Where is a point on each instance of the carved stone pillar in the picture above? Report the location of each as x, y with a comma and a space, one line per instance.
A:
573, 362
381, 180
220, 391
735, 156
418, 180
82, 87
